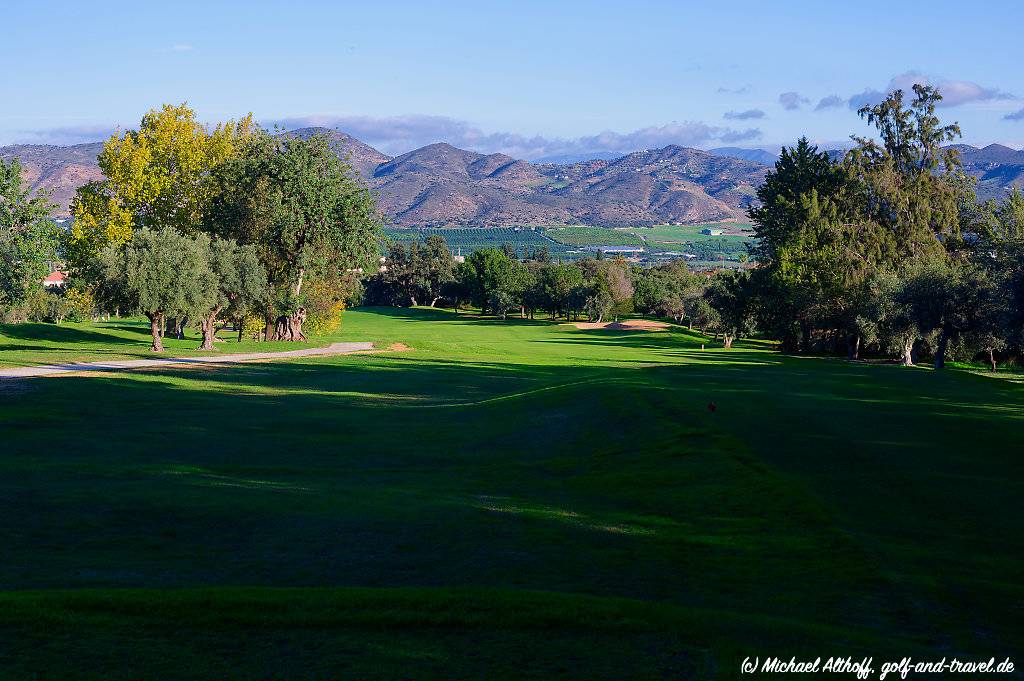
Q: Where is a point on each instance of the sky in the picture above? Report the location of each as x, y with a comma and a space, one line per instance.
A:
531, 79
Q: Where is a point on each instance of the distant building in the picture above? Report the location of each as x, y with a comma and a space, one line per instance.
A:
54, 280
617, 250
711, 231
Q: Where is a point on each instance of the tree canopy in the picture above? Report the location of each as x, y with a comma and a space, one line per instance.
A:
28, 239
156, 177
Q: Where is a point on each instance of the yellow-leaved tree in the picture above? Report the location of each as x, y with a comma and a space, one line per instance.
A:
157, 176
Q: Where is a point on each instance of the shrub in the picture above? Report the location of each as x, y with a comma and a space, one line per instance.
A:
79, 306
324, 304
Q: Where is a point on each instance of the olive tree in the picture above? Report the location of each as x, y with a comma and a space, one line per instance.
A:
239, 285
158, 273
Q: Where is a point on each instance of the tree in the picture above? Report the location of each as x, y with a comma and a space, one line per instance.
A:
730, 294
28, 240
306, 213
461, 288
599, 303
908, 182
788, 224
617, 280
1011, 293
892, 305
159, 273
239, 285
399, 281
439, 265
782, 206
494, 279
1009, 217
830, 234
669, 290
701, 314
560, 283
159, 176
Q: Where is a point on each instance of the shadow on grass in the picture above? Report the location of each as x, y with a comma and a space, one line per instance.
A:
808, 476
62, 333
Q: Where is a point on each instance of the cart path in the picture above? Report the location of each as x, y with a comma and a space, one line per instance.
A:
115, 365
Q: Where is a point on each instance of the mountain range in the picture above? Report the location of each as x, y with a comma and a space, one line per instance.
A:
442, 185
996, 168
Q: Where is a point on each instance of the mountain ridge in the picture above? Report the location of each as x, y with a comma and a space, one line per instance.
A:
440, 184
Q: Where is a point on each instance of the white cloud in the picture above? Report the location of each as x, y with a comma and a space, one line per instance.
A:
399, 134
743, 89
829, 102
954, 92
743, 115
791, 101
71, 134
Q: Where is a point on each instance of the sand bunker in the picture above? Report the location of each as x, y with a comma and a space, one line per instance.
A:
394, 347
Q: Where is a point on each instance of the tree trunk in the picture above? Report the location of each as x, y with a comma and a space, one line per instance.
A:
853, 347
268, 328
908, 352
805, 334
289, 327
940, 352
727, 340
175, 327
209, 327
155, 328
992, 358
433, 303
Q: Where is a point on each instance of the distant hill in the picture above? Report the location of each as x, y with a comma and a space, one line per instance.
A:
756, 155
996, 168
58, 170
672, 184
443, 185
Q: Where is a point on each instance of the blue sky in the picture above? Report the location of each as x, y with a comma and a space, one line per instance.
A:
527, 78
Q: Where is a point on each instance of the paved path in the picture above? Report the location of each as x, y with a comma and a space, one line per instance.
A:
52, 369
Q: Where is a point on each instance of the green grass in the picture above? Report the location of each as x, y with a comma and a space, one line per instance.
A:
506, 500
592, 236
671, 235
